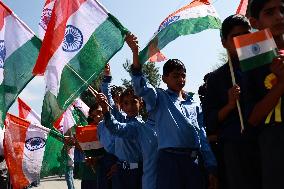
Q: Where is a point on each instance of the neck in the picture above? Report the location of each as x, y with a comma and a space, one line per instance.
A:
279, 40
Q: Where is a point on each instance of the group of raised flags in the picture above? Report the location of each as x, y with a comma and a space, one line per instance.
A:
76, 40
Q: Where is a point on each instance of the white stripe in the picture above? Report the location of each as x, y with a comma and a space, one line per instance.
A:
15, 35
32, 160
44, 14
87, 19
248, 52
91, 145
194, 12
68, 120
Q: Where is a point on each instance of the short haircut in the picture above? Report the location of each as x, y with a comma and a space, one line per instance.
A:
116, 90
232, 21
94, 107
128, 92
171, 65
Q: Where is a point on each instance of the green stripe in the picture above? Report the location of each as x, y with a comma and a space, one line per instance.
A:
18, 73
88, 63
53, 163
257, 61
179, 28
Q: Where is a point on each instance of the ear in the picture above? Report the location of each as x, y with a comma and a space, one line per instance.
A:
224, 43
254, 23
164, 78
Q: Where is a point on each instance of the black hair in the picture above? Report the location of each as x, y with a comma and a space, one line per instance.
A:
230, 22
171, 65
128, 92
94, 107
116, 90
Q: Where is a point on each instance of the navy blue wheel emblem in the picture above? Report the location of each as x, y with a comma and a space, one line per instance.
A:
35, 143
255, 49
2, 53
45, 18
73, 39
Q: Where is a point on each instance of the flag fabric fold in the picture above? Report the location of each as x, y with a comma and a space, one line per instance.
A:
19, 48
45, 18
80, 39
31, 151
26, 112
193, 18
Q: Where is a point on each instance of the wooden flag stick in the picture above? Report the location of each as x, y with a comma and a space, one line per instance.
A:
234, 83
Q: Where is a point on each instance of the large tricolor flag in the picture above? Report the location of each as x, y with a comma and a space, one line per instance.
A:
80, 39
45, 18
26, 112
195, 17
31, 151
255, 49
19, 48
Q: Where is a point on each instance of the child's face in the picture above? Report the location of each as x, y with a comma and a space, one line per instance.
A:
175, 80
130, 105
228, 43
96, 115
272, 17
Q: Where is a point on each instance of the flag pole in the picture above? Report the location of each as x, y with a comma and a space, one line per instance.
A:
90, 88
234, 83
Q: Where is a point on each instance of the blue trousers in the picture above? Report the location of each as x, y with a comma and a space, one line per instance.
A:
69, 178
178, 171
127, 179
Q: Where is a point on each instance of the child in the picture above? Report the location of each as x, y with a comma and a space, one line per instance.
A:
145, 134
261, 99
239, 153
180, 137
91, 167
127, 150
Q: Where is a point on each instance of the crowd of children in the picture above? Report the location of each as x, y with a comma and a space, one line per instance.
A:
171, 148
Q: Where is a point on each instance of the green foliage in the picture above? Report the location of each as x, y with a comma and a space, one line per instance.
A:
150, 71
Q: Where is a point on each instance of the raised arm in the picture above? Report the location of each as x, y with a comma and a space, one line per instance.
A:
123, 130
140, 84
105, 88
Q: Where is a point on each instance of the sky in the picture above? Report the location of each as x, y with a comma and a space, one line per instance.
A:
199, 52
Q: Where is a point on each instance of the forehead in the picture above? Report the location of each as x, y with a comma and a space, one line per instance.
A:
239, 30
177, 71
272, 4
129, 97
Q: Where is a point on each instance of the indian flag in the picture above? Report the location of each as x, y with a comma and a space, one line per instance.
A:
80, 39
19, 48
45, 18
193, 18
255, 49
87, 137
31, 151
26, 112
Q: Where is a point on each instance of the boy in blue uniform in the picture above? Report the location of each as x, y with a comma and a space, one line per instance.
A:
261, 99
180, 137
145, 134
127, 150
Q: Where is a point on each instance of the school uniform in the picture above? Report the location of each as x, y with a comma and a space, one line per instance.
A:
238, 152
271, 140
145, 134
128, 151
180, 137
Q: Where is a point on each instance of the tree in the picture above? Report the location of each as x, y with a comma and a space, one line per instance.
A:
150, 71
